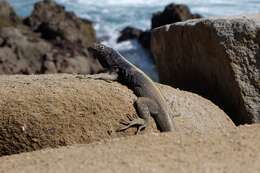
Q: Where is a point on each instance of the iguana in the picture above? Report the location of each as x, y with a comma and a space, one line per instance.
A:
150, 101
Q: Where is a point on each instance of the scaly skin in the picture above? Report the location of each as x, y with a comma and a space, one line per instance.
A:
149, 102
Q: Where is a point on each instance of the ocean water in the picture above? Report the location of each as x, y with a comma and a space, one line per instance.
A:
110, 16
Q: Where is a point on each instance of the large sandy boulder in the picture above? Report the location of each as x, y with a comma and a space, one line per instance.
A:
236, 151
55, 110
217, 58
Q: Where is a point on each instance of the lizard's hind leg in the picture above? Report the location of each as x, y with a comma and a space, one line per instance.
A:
144, 107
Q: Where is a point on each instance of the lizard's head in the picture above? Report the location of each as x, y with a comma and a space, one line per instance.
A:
104, 55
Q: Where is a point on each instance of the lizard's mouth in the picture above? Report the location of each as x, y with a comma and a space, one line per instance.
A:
96, 53
92, 50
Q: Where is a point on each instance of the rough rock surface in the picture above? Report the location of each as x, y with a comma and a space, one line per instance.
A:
171, 14
218, 58
41, 111
24, 52
59, 47
236, 151
21, 51
53, 22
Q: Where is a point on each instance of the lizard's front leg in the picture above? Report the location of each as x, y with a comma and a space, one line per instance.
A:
144, 107
106, 76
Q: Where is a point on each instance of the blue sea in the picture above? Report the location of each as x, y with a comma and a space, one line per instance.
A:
110, 16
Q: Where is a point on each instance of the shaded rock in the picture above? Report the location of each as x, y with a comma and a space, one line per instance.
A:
53, 22
58, 46
41, 111
8, 16
145, 39
235, 151
21, 51
64, 62
217, 58
196, 16
128, 33
24, 52
172, 13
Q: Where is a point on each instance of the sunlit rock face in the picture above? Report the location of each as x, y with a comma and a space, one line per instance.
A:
217, 58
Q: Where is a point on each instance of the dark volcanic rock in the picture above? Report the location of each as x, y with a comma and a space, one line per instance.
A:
58, 46
53, 22
171, 14
24, 52
196, 16
128, 33
145, 39
216, 57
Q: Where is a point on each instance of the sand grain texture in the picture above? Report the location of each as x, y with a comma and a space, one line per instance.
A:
44, 111
236, 151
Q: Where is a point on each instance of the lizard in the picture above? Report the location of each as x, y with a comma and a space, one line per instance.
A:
150, 101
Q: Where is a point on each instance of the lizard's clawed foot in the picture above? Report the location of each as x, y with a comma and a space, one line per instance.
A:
132, 122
